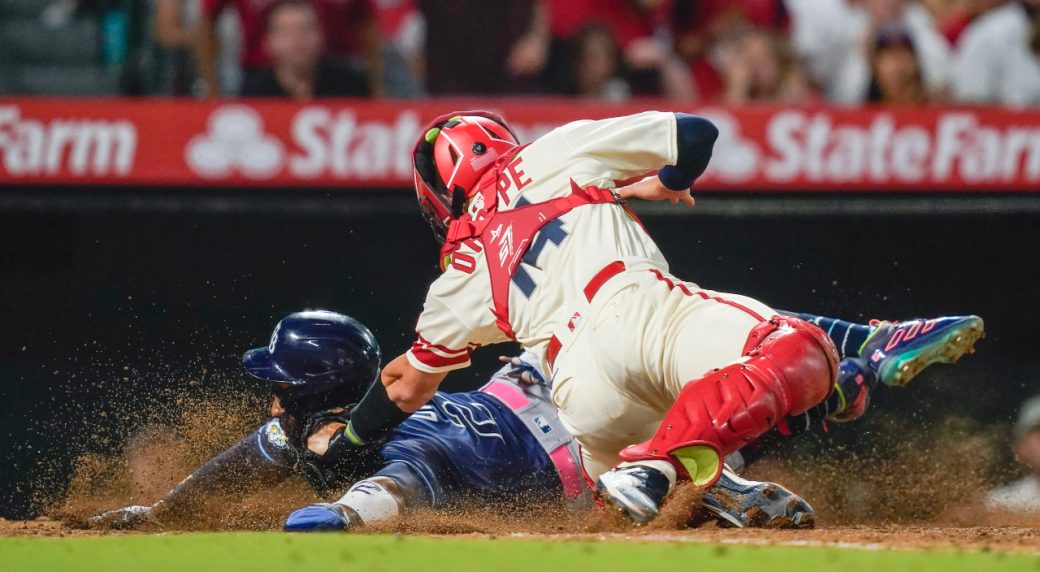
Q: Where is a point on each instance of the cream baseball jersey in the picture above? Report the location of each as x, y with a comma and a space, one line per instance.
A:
563, 256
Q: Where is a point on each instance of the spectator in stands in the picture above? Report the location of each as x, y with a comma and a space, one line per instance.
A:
632, 22
485, 47
174, 26
1023, 495
951, 17
709, 33
994, 62
648, 62
596, 69
349, 27
176, 37
835, 39
403, 30
760, 66
293, 41
895, 73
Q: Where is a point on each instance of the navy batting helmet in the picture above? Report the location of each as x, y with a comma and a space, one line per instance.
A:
327, 359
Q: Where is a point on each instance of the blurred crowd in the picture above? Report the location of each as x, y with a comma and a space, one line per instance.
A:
727, 51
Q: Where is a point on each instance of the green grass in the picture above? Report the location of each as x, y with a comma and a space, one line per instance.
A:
361, 553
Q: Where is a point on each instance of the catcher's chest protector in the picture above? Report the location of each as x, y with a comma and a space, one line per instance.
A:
505, 236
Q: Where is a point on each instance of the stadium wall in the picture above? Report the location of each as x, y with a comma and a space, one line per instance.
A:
119, 293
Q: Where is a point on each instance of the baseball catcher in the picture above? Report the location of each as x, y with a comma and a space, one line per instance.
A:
657, 378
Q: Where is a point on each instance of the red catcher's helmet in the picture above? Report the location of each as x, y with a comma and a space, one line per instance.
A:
449, 159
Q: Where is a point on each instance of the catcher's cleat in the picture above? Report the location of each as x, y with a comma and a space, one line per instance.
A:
636, 490
898, 351
740, 503
319, 517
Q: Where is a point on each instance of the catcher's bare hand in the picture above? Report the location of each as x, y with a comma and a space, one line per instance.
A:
652, 189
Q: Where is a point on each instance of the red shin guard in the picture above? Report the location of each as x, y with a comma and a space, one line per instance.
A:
789, 365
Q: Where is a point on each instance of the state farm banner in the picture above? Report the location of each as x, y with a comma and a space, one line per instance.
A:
342, 144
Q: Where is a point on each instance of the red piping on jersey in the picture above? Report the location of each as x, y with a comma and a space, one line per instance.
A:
613, 269
432, 359
422, 350
704, 295
506, 235
443, 349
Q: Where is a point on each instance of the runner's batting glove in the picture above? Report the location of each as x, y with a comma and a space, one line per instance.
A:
522, 371
343, 460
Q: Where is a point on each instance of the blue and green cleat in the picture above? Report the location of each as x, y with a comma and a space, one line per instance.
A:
898, 351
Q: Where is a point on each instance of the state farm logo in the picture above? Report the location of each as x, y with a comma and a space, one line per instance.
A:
65, 146
235, 143
830, 147
320, 142
825, 147
735, 158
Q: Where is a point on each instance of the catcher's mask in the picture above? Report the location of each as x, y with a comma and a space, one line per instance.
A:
450, 158
325, 359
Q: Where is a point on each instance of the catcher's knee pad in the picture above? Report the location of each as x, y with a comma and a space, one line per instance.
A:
788, 366
803, 355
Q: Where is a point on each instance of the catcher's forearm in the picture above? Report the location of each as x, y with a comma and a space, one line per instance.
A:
402, 389
258, 460
374, 417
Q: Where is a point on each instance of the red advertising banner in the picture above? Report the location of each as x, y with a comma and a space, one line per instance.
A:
343, 144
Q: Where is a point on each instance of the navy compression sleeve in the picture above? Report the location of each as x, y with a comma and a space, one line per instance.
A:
261, 459
696, 136
374, 417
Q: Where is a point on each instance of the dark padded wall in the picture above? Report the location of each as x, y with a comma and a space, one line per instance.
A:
107, 302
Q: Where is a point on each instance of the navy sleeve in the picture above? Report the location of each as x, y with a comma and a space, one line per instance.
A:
374, 417
695, 139
262, 459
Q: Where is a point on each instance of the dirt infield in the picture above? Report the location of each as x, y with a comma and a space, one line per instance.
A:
920, 489
984, 538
